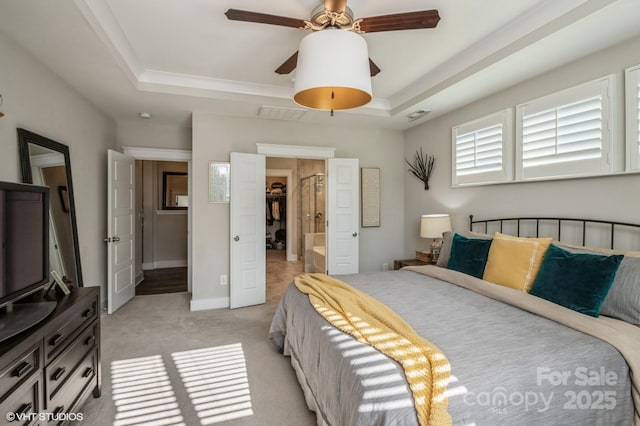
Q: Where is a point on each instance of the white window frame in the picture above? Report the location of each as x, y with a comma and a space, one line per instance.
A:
505, 174
606, 164
632, 119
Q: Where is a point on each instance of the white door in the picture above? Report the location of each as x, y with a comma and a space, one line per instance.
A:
120, 230
247, 278
343, 216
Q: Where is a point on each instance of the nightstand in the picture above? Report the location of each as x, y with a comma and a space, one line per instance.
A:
424, 255
397, 264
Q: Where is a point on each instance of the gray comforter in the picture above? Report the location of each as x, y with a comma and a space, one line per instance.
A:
509, 366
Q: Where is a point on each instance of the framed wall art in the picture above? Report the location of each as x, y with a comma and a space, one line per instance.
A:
219, 191
370, 196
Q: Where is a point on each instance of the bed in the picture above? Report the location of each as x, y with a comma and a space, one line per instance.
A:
515, 358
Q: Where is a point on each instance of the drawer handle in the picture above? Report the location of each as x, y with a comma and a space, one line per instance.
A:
22, 369
88, 372
56, 339
24, 409
90, 341
58, 411
88, 313
59, 373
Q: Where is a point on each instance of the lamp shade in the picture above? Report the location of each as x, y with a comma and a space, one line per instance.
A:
333, 71
433, 225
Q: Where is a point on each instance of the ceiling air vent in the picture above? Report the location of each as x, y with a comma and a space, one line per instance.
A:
280, 113
418, 114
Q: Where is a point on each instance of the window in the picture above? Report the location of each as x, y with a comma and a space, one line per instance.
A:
568, 133
633, 118
481, 150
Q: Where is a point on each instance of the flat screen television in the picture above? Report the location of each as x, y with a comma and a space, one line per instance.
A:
24, 256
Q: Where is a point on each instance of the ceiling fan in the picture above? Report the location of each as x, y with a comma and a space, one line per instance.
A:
336, 14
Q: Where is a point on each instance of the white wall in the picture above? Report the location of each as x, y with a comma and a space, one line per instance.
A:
39, 101
215, 137
148, 133
614, 197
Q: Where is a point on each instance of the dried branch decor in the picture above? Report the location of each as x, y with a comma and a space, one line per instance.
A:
421, 167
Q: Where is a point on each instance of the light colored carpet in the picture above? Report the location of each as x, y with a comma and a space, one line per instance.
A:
161, 330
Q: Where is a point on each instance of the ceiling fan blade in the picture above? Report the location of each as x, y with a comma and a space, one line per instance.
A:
263, 18
288, 65
373, 68
401, 21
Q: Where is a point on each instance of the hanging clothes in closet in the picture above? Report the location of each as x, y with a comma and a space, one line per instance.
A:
276, 210
268, 213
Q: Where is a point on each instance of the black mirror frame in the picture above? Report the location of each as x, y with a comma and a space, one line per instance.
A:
165, 175
25, 137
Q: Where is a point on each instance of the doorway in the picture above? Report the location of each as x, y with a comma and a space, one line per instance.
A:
247, 221
287, 219
160, 155
161, 224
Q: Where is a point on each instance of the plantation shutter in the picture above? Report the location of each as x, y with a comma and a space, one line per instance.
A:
481, 150
633, 117
565, 133
637, 117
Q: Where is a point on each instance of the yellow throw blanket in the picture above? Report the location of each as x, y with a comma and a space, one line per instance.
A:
372, 322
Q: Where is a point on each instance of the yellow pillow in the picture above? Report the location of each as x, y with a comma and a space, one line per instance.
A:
514, 261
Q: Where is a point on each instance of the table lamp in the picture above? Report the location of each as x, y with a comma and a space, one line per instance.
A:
432, 226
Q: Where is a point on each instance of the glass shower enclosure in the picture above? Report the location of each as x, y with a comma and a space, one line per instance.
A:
313, 220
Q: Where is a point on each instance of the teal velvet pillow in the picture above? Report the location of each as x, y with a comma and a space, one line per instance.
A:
469, 255
576, 281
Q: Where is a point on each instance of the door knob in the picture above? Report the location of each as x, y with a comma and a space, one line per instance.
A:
115, 239
355, 234
107, 240
236, 238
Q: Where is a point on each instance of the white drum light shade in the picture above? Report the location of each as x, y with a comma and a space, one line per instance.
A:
333, 71
433, 225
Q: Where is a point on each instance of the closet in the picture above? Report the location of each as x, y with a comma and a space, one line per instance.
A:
276, 213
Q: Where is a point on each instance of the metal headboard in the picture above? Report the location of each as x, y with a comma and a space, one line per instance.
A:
560, 220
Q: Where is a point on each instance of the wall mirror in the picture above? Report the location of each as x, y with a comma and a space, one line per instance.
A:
46, 162
175, 191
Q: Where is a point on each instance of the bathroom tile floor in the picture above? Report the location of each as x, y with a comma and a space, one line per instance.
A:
280, 273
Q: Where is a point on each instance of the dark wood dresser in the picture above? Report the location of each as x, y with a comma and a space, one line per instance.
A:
53, 367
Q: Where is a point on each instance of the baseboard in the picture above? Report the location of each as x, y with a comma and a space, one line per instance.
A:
161, 264
139, 278
212, 303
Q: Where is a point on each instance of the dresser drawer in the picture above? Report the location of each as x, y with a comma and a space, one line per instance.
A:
82, 377
19, 370
57, 373
55, 341
26, 400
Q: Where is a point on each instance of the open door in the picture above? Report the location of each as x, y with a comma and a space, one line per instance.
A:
343, 216
247, 278
120, 230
